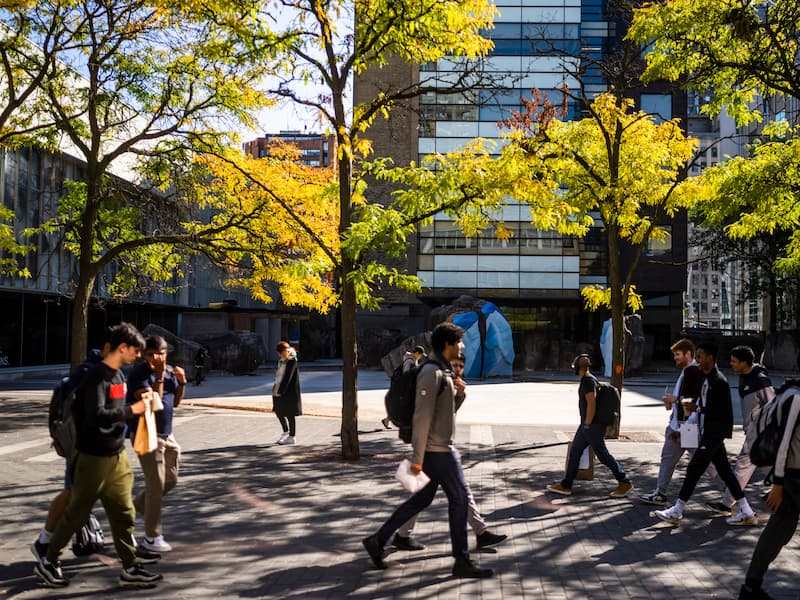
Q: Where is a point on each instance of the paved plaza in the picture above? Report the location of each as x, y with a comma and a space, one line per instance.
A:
253, 520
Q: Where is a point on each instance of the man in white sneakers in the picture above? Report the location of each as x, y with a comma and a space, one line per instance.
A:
715, 412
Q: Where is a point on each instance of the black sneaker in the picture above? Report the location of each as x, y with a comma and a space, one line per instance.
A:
408, 544
138, 577
146, 557
719, 508
467, 569
50, 573
655, 499
751, 593
386, 424
375, 551
487, 538
39, 551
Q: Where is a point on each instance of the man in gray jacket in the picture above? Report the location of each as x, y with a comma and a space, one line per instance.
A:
432, 437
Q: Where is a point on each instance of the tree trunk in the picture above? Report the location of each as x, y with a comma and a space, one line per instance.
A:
349, 340
617, 320
773, 303
80, 318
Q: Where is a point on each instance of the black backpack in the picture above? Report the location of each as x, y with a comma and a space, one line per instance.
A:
89, 538
402, 395
607, 404
771, 425
60, 419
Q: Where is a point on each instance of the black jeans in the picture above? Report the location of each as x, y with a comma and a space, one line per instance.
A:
593, 436
711, 451
778, 531
443, 468
288, 425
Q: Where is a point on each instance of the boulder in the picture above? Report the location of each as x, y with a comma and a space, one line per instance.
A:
238, 352
782, 351
375, 343
395, 357
181, 351
634, 344
459, 305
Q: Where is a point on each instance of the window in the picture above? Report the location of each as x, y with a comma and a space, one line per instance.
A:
695, 293
704, 307
659, 105
704, 293
714, 308
752, 311
714, 152
660, 243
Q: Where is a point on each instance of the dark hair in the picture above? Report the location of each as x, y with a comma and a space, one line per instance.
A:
124, 333
420, 349
445, 333
683, 345
709, 348
581, 361
282, 346
155, 342
744, 354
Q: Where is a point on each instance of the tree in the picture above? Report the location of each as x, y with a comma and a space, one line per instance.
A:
743, 52
622, 164
329, 43
156, 80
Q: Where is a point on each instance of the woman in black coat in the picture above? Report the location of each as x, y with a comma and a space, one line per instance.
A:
286, 401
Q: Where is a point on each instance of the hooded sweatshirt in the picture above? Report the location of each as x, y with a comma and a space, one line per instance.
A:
755, 390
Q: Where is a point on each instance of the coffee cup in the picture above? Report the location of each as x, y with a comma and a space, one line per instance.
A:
156, 402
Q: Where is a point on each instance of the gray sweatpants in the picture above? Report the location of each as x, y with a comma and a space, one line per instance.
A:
474, 518
671, 454
743, 469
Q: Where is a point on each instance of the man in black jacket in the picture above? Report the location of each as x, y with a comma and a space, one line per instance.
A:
101, 464
715, 416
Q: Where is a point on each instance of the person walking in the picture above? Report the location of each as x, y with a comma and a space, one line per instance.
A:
715, 415
433, 452
286, 400
160, 467
688, 385
403, 539
410, 359
783, 499
755, 390
589, 434
102, 470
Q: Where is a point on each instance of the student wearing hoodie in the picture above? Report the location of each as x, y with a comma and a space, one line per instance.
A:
755, 390
286, 400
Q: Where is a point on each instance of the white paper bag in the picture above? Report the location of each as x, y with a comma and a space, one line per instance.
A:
690, 435
410, 482
584, 462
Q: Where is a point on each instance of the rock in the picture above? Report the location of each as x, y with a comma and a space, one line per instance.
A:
238, 352
634, 344
459, 305
181, 352
318, 337
782, 351
394, 358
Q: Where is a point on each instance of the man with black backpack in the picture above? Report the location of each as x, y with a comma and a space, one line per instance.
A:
101, 469
715, 416
432, 435
784, 497
595, 406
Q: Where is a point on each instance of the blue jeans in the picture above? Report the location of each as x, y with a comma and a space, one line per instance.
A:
443, 468
593, 436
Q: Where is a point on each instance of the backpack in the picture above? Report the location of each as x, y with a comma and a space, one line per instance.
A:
60, 419
608, 404
770, 425
402, 395
89, 538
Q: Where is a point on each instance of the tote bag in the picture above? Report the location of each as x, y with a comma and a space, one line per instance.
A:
146, 439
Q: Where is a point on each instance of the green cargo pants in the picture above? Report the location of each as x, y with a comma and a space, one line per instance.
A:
109, 479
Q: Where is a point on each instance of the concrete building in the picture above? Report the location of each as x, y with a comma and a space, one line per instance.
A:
316, 149
535, 277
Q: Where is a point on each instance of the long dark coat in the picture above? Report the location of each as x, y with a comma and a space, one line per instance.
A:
288, 402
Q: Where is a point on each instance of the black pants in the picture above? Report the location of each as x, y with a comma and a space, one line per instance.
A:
287, 424
778, 531
443, 468
593, 436
710, 452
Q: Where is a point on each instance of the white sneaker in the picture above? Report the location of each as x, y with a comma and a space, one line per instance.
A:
289, 441
742, 518
282, 438
671, 515
157, 544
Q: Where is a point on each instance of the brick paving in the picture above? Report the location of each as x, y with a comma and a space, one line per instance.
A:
252, 520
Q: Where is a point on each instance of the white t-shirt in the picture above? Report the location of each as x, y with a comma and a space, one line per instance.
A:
674, 424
